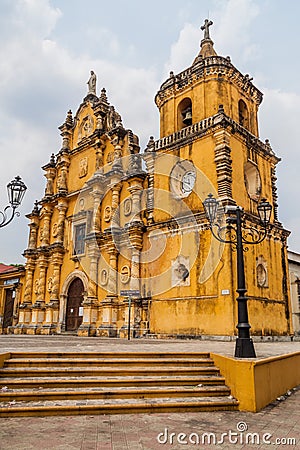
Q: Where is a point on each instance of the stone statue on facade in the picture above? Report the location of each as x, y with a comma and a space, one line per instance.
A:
49, 190
62, 181
92, 83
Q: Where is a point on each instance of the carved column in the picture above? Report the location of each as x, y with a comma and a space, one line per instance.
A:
109, 304
30, 266
113, 279
97, 194
33, 227
118, 144
25, 306
46, 216
57, 260
223, 165
100, 147
65, 129
63, 163
50, 176
43, 264
136, 243
38, 308
115, 202
136, 189
92, 287
62, 208
135, 270
52, 307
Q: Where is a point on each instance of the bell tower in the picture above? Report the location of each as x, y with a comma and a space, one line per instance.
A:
209, 142
198, 92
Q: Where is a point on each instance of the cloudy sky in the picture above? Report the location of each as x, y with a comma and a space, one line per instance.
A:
48, 48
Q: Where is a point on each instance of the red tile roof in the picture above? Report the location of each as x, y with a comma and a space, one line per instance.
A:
5, 268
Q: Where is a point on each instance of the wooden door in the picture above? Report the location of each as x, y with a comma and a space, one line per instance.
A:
74, 314
8, 308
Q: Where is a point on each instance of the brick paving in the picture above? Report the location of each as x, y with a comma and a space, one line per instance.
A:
281, 419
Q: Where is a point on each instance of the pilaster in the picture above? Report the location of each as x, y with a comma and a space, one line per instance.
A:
223, 166
62, 207
46, 214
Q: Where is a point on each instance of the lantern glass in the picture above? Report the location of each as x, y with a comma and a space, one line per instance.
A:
264, 210
16, 190
211, 208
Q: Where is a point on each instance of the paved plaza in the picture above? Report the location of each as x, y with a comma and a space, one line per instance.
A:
276, 426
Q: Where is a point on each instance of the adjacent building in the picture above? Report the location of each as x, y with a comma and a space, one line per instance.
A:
114, 218
294, 269
11, 282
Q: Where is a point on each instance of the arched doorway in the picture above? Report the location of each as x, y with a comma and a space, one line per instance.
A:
74, 312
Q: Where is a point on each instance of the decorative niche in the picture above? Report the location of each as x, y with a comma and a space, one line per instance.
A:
261, 272
252, 180
243, 114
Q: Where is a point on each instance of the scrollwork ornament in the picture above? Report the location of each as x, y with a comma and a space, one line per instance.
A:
125, 274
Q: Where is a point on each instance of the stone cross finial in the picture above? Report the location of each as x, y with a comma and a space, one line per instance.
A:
205, 27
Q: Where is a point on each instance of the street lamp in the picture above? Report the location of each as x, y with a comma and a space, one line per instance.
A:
16, 190
239, 235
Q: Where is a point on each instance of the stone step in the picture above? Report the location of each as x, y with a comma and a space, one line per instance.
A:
106, 381
110, 355
50, 383
106, 371
100, 362
40, 394
117, 406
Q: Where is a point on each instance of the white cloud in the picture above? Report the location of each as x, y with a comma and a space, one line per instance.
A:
279, 119
104, 38
184, 51
233, 19
40, 81
36, 17
231, 33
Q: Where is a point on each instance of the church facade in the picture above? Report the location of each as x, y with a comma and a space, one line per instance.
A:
115, 219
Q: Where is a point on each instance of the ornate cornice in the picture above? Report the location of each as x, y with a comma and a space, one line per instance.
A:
220, 120
203, 68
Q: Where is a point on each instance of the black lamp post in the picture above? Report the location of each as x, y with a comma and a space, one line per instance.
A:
16, 190
239, 235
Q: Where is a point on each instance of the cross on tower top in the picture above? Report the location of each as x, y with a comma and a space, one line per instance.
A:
205, 27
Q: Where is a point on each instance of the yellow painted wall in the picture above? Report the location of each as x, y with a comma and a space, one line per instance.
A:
256, 383
3, 358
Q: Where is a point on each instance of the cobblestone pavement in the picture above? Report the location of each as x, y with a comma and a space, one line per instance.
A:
276, 426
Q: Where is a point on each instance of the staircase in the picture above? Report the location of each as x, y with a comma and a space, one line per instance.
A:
43, 384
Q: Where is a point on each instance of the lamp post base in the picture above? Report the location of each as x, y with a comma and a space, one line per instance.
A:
244, 348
